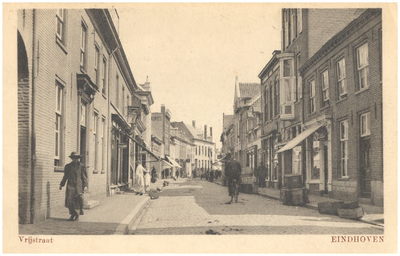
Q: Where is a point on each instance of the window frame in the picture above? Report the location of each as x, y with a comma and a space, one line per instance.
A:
59, 123
344, 143
97, 63
311, 88
299, 21
103, 144
104, 75
362, 68
325, 87
341, 77
367, 124
60, 20
83, 46
96, 140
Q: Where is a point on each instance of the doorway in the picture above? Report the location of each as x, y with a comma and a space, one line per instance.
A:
82, 147
326, 173
365, 168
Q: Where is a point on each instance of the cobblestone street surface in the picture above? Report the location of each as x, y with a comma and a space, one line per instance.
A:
200, 207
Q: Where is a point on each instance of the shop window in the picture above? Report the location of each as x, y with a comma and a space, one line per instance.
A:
362, 66
311, 86
58, 134
288, 90
316, 161
344, 148
325, 88
296, 160
341, 78
365, 125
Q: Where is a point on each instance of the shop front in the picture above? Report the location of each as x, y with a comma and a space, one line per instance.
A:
120, 146
307, 155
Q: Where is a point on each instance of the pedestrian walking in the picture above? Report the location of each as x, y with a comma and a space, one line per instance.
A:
233, 171
261, 173
75, 173
211, 175
153, 175
139, 179
177, 174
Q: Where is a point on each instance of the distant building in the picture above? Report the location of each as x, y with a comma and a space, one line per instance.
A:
204, 149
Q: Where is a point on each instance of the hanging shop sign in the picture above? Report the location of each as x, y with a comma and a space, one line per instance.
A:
320, 135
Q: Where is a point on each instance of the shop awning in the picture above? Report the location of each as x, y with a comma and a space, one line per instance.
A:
166, 164
302, 136
173, 162
145, 148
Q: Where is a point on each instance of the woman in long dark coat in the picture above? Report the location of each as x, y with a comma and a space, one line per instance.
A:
75, 173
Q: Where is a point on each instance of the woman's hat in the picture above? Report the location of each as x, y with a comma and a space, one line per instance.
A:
74, 155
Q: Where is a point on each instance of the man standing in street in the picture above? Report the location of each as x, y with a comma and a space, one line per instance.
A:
233, 171
261, 173
75, 173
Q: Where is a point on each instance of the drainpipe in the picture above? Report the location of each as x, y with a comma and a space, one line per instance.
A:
33, 139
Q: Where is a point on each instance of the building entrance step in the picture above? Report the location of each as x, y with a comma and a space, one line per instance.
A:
91, 204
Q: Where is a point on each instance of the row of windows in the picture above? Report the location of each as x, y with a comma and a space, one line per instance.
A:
204, 151
100, 60
293, 19
99, 137
362, 64
202, 163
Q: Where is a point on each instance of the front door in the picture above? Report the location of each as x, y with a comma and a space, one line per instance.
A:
326, 170
83, 125
83, 145
365, 168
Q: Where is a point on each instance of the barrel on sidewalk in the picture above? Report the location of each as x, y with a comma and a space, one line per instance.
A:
293, 193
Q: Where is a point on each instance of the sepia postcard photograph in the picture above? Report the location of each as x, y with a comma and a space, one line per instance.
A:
200, 128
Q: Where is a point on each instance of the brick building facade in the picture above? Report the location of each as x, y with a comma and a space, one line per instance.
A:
75, 89
346, 74
303, 108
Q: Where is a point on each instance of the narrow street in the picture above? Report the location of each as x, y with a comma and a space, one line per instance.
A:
198, 207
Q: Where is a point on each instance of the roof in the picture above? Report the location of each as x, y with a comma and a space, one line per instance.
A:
255, 101
227, 120
249, 90
195, 131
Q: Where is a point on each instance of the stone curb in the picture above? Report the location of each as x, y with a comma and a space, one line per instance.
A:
126, 224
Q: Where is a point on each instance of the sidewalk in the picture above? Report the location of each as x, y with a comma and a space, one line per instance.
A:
372, 214
114, 215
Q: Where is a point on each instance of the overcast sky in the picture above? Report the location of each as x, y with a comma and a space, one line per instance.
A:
192, 53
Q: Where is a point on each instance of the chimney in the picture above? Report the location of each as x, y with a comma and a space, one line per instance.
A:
205, 132
162, 108
210, 131
194, 123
